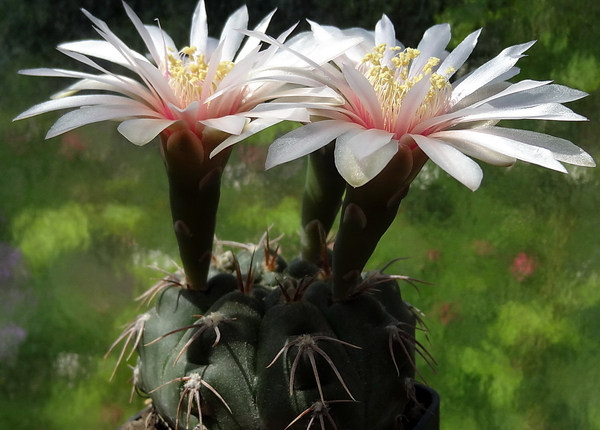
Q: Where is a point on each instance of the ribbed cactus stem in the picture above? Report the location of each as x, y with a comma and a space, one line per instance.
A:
367, 213
321, 201
194, 191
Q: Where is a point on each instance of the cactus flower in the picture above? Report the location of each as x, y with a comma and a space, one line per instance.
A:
206, 86
396, 96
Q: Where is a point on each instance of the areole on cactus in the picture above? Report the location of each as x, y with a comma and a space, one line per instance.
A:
246, 341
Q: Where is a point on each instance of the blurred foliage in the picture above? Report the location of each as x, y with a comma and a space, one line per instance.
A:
514, 312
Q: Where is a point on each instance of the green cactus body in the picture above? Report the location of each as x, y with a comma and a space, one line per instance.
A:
265, 347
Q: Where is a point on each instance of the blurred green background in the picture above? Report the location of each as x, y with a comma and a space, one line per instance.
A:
514, 312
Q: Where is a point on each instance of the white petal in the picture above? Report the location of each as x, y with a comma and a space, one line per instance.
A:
85, 60
358, 172
98, 49
119, 83
231, 37
232, 124
385, 33
489, 71
251, 42
139, 26
316, 55
199, 32
286, 112
459, 55
451, 160
162, 42
304, 140
71, 102
512, 148
140, 131
367, 142
536, 96
90, 115
519, 87
547, 111
562, 149
250, 129
132, 57
486, 155
432, 44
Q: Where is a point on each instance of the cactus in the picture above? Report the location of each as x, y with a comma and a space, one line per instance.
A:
251, 342
266, 347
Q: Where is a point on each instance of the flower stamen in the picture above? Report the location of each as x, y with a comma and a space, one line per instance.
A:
187, 72
393, 81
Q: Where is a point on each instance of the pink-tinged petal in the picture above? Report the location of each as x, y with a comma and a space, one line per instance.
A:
562, 149
72, 102
304, 140
411, 103
451, 160
459, 55
230, 36
141, 131
188, 114
365, 93
139, 26
489, 71
213, 66
250, 129
512, 148
366, 142
252, 43
90, 115
358, 171
231, 124
199, 32
157, 81
432, 44
163, 43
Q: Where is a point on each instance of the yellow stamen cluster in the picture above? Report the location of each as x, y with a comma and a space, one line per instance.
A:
393, 81
187, 73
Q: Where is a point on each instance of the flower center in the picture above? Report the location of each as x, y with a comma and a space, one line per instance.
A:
393, 81
187, 73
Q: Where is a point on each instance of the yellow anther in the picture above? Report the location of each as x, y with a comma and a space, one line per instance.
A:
187, 75
189, 50
393, 81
